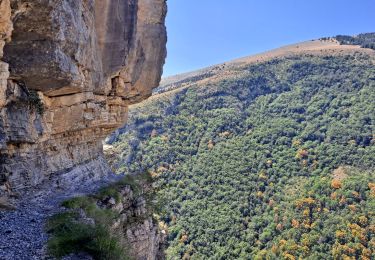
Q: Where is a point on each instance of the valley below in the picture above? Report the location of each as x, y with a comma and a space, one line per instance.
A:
265, 157
269, 156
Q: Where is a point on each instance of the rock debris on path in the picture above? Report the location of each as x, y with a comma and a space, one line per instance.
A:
22, 231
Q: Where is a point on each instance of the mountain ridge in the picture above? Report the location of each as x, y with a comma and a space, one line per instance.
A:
324, 45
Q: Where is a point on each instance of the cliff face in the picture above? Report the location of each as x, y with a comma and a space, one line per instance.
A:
69, 71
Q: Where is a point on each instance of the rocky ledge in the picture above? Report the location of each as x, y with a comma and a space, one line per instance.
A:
69, 69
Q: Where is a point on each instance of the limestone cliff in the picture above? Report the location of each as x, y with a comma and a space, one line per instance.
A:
69, 71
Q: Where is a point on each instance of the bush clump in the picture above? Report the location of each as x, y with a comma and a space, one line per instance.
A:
69, 235
35, 102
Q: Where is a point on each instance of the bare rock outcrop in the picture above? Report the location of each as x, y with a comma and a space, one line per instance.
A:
69, 71
138, 229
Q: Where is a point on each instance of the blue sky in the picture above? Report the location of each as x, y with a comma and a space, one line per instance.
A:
207, 32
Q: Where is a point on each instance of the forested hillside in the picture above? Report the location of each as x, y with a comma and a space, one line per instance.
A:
275, 161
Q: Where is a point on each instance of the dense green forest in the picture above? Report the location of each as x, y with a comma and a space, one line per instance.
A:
276, 162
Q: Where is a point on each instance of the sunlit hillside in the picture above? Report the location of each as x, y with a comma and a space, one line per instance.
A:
266, 157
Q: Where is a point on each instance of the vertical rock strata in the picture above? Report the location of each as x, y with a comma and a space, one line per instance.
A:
69, 70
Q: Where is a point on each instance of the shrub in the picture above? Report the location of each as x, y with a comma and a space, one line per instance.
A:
71, 236
35, 102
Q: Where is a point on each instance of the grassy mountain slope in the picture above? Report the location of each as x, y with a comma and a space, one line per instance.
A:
263, 158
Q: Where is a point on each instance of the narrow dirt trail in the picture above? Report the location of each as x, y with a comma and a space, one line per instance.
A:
22, 231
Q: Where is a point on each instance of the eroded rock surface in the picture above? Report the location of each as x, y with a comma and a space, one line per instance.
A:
74, 67
135, 223
69, 69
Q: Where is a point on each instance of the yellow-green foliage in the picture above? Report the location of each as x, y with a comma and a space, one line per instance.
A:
292, 122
